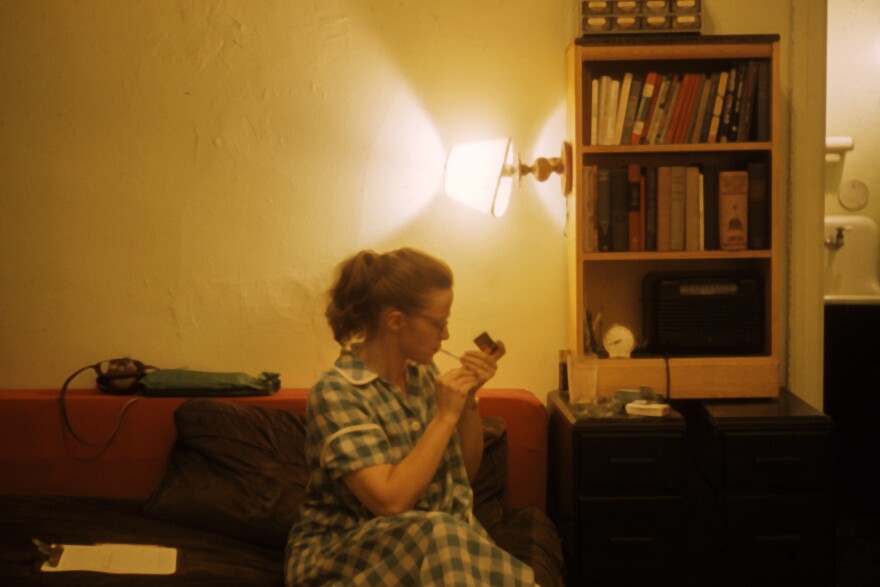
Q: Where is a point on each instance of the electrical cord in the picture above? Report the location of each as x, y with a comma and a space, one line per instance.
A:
110, 383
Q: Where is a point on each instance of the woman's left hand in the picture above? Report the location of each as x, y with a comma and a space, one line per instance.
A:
483, 365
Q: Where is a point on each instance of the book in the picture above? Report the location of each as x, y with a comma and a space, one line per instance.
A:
744, 126
650, 208
589, 221
733, 205
622, 102
692, 215
677, 187
642, 111
681, 110
710, 207
611, 109
758, 221
629, 118
691, 134
733, 129
727, 108
706, 118
619, 210
687, 107
717, 107
662, 108
653, 109
664, 186
669, 109
603, 208
635, 217
602, 123
594, 111
762, 102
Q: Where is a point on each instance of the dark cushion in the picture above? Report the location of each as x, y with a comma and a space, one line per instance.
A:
529, 535
237, 470
491, 477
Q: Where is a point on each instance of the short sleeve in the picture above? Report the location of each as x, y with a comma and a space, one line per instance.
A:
342, 430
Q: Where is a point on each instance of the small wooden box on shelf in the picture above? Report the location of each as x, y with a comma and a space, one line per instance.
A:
656, 124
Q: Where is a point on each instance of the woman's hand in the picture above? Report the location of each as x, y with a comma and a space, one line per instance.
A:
453, 388
483, 365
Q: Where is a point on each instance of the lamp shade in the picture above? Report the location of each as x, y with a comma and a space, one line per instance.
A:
480, 175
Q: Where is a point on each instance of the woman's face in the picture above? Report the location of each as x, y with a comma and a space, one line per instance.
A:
426, 329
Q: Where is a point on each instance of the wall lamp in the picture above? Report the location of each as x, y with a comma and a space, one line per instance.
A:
481, 174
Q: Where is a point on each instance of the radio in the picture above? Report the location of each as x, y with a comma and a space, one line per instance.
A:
701, 313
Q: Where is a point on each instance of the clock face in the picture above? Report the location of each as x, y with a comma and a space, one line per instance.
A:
619, 341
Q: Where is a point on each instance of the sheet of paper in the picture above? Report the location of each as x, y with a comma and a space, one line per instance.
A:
137, 559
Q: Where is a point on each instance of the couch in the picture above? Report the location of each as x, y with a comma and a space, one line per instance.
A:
219, 480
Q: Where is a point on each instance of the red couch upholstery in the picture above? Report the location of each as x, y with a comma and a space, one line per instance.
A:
37, 456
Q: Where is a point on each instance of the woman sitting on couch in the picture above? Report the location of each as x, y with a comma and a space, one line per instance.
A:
391, 443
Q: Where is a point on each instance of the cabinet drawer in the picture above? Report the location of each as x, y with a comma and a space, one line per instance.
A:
771, 461
631, 463
626, 541
779, 540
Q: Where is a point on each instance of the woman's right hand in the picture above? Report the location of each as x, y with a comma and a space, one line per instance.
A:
453, 388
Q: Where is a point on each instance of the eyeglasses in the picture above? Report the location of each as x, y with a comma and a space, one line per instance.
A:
438, 323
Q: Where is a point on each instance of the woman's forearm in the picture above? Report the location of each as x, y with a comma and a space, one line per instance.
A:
470, 428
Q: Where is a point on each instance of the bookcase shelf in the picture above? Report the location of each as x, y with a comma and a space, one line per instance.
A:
609, 283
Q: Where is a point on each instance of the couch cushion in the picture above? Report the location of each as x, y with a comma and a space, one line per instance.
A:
491, 478
235, 469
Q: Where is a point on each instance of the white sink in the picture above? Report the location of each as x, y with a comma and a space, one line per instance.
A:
852, 271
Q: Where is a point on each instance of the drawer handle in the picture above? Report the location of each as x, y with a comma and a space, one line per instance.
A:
779, 538
777, 461
631, 540
632, 461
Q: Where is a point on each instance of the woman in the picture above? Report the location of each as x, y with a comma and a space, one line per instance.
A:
391, 443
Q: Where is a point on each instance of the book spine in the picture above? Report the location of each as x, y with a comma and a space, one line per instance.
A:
733, 204
717, 107
758, 220
733, 130
655, 110
699, 107
706, 119
602, 123
603, 208
594, 111
677, 198
692, 216
671, 110
590, 224
727, 109
650, 208
622, 102
762, 113
648, 89
710, 207
744, 127
611, 109
629, 118
664, 187
634, 217
619, 210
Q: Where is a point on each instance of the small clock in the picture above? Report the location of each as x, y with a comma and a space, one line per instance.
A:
619, 341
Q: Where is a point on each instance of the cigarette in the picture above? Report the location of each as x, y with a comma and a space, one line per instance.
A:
450, 353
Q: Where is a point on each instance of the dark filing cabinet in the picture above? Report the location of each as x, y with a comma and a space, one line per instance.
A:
617, 495
767, 509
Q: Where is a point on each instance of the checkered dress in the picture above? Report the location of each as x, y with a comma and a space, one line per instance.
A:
356, 419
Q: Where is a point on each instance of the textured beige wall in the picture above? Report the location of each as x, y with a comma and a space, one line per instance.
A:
177, 179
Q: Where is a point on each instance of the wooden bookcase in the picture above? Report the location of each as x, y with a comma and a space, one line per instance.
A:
610, 283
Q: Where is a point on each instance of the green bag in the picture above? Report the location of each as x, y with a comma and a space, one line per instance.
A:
185, 383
